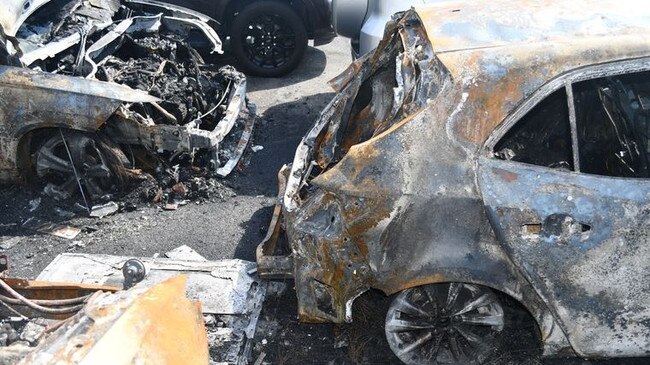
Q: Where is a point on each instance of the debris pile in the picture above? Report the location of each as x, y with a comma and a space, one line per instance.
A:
170, 69
85, 327
18, 337
175, 187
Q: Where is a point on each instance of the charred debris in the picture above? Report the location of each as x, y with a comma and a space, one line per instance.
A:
61, 318
68, 323
181, 122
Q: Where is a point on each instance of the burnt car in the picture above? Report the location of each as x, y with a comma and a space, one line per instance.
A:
484, 153
92, 89
267, 37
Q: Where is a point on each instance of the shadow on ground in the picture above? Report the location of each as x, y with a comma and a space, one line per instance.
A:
312, 65
282, 127
279, 132
254, 231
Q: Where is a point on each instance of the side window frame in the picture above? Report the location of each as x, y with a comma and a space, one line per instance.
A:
565, 81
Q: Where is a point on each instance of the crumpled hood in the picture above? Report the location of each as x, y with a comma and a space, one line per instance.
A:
14, 13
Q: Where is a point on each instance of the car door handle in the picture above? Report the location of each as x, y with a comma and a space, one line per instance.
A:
560, 225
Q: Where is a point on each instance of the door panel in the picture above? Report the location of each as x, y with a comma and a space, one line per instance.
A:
582, 241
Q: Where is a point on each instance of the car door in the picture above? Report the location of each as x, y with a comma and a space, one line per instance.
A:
568, 194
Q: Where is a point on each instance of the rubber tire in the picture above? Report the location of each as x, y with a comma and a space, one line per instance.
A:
241, 22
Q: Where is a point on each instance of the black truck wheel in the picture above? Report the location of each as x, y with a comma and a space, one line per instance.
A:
268, 39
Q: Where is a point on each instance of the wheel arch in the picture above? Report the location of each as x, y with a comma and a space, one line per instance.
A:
29, 141
552, 337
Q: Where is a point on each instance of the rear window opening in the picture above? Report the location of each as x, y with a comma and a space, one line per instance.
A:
612, 123
542, 137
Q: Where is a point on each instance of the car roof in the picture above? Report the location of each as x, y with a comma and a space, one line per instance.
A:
500, 52
471, 24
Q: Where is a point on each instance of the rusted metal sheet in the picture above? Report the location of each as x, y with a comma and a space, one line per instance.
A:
498, 84
474, 24
271, 263
37, 289
502, 51
126, 328
48, 290
32, 99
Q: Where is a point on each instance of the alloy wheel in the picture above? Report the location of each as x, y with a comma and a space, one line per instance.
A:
452, 323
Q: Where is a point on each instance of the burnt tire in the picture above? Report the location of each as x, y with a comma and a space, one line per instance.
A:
268, 39
98, 164
451, 324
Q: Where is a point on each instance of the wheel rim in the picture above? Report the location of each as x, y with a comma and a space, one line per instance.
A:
451, 323
53, 164
269, 42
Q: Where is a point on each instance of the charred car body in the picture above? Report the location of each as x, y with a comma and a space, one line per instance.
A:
482, 150
107, 84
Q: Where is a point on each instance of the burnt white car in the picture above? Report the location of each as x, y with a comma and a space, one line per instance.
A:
486, 152
90, 89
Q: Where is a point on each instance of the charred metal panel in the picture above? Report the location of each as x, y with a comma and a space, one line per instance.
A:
15, 12
475, 24
581, 240
500, 58
380, 214
8, 168
32, 98
499, 84
154, 137
386, 191
127, 328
